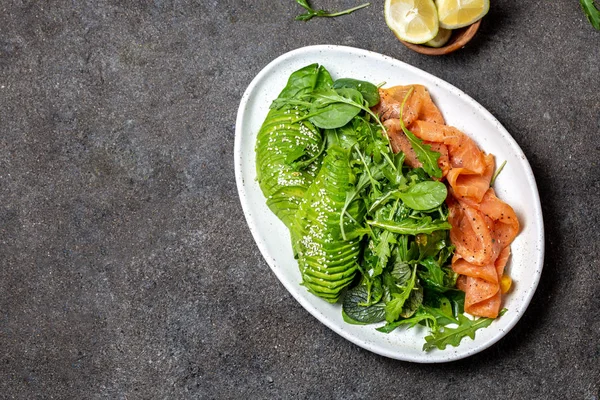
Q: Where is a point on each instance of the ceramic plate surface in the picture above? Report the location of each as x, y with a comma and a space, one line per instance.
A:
515, 185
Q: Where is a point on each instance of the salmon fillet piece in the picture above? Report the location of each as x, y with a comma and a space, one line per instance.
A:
483, 296
419, 105
464, 152
400, 143
467, 185
483, 226
482, 234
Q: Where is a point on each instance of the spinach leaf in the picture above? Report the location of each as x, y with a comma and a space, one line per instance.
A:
345, 137
301, 82
591, 12
324, 80
369, 91
331, 108
310, 12
424, 195
327, 97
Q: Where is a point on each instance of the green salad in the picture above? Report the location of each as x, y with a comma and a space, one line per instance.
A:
367, 230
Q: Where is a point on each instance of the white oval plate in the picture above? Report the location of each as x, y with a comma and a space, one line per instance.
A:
515, 185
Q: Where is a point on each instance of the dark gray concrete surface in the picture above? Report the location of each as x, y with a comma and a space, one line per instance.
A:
127, 270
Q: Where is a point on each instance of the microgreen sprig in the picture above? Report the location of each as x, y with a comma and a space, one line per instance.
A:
311, 12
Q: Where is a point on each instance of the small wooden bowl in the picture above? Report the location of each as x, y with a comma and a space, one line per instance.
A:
459, 38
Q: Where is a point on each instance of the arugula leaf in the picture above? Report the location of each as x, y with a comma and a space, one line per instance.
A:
394, 307
406, 251
453, 336
457, 301
414, 301
424, 153
411, 226
434, 275
591, 12
441, 315
426, 156
431, 245
322, 13
382, 199
382, 249
363, 181
390, 326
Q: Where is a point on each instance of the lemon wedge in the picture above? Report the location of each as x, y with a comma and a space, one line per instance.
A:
414, 21
440, 39
454, 14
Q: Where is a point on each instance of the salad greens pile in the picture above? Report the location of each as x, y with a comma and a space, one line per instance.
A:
366, 229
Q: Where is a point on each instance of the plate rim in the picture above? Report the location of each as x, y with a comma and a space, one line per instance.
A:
293, 288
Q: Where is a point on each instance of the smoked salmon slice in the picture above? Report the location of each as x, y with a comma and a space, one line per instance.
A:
468, 185
483, 226
481, 285
400, 142
464, 152
419, 105
472, 233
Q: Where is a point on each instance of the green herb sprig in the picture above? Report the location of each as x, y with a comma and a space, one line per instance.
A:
311, 12
591, 12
